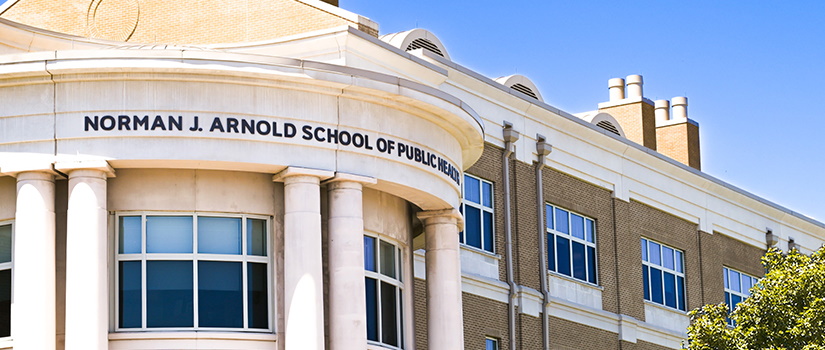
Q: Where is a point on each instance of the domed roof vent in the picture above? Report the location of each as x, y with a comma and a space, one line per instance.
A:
521, 84
416, 39
604, 121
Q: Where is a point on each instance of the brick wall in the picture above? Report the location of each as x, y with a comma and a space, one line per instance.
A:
482, 318
567, 335
680, 142
177, 22
638, 122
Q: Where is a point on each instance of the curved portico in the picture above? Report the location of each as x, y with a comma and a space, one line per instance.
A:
191, 135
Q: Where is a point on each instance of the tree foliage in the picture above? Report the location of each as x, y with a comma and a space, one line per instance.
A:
786, 309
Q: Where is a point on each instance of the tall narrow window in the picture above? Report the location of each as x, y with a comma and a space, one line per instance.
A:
663, 274
5, 279
192, 272
477, 207
385, 291
490, 343
737, 288
571, 244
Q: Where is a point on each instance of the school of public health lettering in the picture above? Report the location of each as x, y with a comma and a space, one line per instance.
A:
307, 132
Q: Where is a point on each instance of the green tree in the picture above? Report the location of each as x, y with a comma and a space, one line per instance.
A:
786, 309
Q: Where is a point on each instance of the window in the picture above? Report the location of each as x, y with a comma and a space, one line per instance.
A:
491, 344
663, 274
193, 272
477, 208
382, 265
571, 244
5, 279
737, 288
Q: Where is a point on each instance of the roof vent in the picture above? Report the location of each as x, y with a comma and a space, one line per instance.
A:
524, 90
521, 84
604, 124
425, 44
416, 39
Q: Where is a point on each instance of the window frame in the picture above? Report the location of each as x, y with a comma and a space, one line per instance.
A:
10, 267
399, 285
730, 293
491, 340
552, 252
482, 209
648, 266
194, 257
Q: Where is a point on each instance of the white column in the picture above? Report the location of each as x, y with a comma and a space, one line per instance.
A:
87, 292
347, 295
303, 264
33, 320
445, 320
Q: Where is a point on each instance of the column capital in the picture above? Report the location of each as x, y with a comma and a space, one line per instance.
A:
71, 166
298, 171
428, 216
16, 168
341, 178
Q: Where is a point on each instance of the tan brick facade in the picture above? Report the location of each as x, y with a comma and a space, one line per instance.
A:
620, 225
680, 142
178, 22
638, 121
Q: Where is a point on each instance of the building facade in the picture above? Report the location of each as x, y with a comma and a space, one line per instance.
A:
280, 175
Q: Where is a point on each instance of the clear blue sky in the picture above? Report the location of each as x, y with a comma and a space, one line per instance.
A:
753, 71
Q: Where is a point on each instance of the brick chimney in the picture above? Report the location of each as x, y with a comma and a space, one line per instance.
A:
677, 136
633, 112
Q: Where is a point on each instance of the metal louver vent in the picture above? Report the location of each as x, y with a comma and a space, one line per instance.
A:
425, 44
604, 124
524, 90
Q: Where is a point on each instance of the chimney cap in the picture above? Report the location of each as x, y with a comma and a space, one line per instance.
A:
634, 79
681, 100
661, 104
615, 82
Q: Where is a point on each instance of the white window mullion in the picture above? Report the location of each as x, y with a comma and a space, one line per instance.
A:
244, 274
195, 271
143, 273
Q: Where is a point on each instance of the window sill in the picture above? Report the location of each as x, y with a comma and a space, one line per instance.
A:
666, 317
574, 290
479, 251
555, 274
192, 340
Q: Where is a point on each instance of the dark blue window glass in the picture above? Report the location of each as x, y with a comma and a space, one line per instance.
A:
644, 249
577, 226
654, 253
131, 302
563, 253
488, 231
490, 344
487, 194
646, 281
680, 291
588, 231
219, 235
551, 252
169, 294
169, 234
667, 258
220, 294
579, 268
735, 300
258, 303
472, 229
472, 189
562, 221
130, 235
670, 289
389, 321
5, 303
256, 237
372, 309
591, 265
656, 294
369, 254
